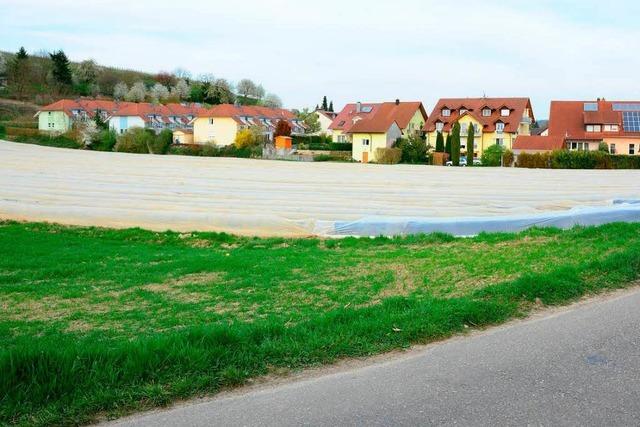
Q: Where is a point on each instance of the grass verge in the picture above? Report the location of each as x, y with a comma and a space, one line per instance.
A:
104, 321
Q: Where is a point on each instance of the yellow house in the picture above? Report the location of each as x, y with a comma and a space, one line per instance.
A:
370, 126
494, 120
220, 124
183, 136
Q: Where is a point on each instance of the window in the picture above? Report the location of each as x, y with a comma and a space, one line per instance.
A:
341, 123
594, 128
612, 148
341, 138
500, 142
446, 112
365, 142
632, 149
439, 126
210, 121
611, 128
463, 110
499, 127
505, 112
580, 146
486, 112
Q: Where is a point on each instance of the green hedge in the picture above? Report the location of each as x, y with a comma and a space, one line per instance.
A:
311, 139
214, 151
60, 141
3, 131
564, 159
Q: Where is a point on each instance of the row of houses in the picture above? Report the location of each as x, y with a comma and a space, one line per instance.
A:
508, 122
191, 123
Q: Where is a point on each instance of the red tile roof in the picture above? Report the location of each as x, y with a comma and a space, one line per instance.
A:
474, 106
379, 119
230, 110
568, 119
538, 143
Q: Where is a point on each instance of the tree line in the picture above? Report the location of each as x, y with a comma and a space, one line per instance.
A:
45, 76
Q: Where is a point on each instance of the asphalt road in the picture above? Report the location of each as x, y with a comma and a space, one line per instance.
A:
575, 367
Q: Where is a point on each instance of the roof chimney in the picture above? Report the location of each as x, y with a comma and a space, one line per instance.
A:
358, 107
397, 101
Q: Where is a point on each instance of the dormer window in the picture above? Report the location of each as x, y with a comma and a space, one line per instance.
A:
439, 126
486, 112
594, 128
463, 110
611, 128
446, 112
504, 112
499, 127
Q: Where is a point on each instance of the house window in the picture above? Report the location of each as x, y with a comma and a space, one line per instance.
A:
632, 149
594, 128
341, 138
612, 148
611, 128
500, 142
439, 126
505, 112
486, 112
365, 142
580, 146
446, 112
499, 127
210, 121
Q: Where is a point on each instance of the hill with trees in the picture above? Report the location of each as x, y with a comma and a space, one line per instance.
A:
43, 77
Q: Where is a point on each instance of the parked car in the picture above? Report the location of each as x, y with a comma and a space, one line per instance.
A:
463, 162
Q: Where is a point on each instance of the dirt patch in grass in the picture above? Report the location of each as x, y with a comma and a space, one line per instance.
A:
175, 288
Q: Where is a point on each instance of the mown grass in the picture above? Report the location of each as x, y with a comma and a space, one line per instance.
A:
99, 322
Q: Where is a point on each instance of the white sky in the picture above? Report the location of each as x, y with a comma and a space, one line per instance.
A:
354, 50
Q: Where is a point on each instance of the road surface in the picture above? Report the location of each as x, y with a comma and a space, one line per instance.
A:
579, 366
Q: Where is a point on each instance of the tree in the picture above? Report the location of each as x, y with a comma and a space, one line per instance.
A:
120, 91
325, 107
86, 72
88, 132
310, 119
246, 88
165, 79
158, 92
492, 156
260, 92
447, 147
331, 106
61, 70
182, 74
220, 92
272, 101
137, 93
455, 144
197, 92
471, 137
18, 70
414, 149
246, 138
283, 128
181, 89
439, 143
604, 147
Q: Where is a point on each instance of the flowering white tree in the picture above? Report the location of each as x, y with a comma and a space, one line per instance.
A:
120, 91
137, 93
272, 101
88, 132
159, 92
181, 89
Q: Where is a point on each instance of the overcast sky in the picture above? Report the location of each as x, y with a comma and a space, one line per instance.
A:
354, 50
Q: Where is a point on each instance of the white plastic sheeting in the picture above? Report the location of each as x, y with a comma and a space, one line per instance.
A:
277, 198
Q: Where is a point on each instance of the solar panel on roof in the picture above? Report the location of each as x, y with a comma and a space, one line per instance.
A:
590, 106
626, 107
631, 121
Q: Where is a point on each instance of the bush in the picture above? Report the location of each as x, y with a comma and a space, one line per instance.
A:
388, 156
106, 141
332, 146
67, 140
21, 124
625, 162
492, 156
323, 158
507, 158
246, 138
534, 160
414, 150
309, 140
17, 131
162, 142
3, 131
135, 140
186, 149
283, 128
210, 150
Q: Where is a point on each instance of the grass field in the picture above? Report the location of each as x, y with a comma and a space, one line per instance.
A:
98, 322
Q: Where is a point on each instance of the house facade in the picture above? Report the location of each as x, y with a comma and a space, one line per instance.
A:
369, 126
494, 120
60, 116
220, 124
325, 118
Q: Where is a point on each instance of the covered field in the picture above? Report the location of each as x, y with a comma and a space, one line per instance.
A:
277, 198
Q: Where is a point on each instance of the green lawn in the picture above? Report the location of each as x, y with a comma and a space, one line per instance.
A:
99, 322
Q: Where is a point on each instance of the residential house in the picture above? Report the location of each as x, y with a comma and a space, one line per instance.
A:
369, 126
220, 124
183, 136
584, 125
495, 121
325, 118
60, 116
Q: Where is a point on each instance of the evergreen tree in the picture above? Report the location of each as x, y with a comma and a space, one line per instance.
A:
455, 144
331, 106
22, 53
18, 72
439, 143
325, 107
61, 70
471, 136
447, 147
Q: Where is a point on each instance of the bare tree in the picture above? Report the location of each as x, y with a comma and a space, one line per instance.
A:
137, 93
120, 91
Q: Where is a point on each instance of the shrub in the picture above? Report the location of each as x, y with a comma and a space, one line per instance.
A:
246, 138
161, 142
507, 158
333, 146
67, 140
315, 139
21, 124
186, 149
389, 156
135, 140
414, 150
106, 141
534, 160
3, 131
323, 158
492, 156
18, 131
625, 162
